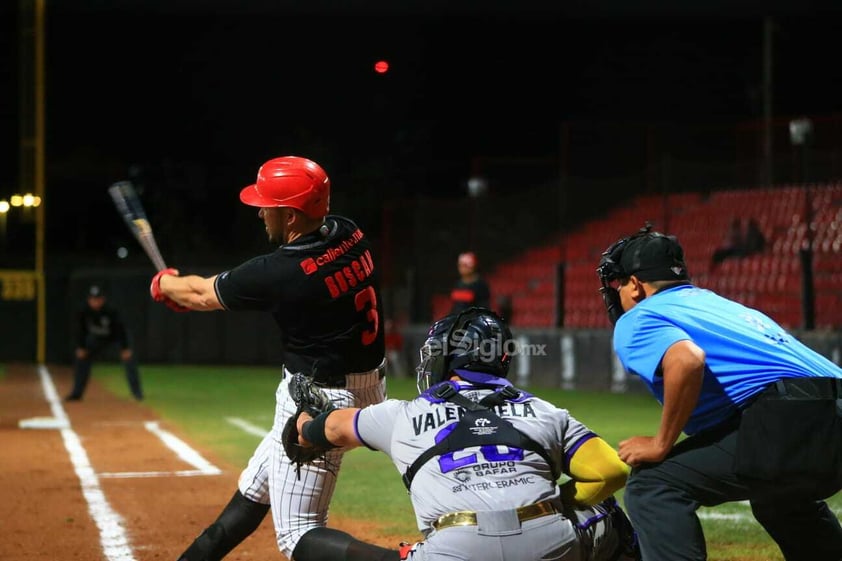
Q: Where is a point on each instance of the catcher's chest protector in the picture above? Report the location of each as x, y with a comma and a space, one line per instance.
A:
479, 426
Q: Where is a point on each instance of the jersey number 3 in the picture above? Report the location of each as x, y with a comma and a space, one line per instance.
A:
367, 298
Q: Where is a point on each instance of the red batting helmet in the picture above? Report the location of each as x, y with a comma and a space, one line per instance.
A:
292, 182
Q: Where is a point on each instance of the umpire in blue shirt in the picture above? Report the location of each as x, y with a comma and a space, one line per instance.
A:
761, 411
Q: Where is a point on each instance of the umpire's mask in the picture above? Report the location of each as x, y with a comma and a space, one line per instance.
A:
648, 255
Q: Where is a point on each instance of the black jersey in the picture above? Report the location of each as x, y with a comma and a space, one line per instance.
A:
96, 327
467, 294
323, 291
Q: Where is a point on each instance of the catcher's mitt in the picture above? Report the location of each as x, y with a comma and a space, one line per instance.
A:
312, 400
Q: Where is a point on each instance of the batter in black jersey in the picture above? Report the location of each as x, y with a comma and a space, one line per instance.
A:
321, 287
322, 290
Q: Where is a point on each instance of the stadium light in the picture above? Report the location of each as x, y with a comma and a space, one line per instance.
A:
4, 210
800, 131
477, 186
27, 201
801, 136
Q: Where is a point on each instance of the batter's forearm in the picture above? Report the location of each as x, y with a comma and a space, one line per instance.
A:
191, 291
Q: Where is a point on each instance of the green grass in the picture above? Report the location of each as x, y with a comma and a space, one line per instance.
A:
199, 398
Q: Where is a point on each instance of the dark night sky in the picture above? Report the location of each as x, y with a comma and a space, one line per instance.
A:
212, 93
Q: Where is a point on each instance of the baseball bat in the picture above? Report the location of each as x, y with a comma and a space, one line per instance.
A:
130, 208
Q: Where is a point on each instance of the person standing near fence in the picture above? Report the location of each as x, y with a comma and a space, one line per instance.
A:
760, 409
321, 286
471, 289
98, 327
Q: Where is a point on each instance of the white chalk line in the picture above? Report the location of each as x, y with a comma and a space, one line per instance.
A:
185, 452
709, 514
246, 426
182, 449
726, 516
140, 474
112, 534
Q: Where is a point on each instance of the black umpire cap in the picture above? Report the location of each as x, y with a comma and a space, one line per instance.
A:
654, 257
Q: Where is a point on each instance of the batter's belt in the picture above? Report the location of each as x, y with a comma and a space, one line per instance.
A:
469, 518
354, 380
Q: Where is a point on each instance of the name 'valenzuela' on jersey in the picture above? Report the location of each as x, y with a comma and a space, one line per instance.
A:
434, 419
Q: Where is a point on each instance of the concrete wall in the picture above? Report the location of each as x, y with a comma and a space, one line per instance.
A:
584, 358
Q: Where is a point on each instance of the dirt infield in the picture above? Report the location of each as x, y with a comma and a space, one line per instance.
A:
96, 480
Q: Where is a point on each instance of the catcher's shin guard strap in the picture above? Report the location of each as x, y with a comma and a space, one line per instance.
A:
327, 544
238, 520
314, 431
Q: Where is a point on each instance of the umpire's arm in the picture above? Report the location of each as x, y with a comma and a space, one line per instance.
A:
683, 368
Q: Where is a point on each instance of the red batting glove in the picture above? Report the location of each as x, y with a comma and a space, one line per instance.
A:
158, 296
155, 287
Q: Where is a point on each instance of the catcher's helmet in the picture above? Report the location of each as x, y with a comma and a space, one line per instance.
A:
476, 340
290, 181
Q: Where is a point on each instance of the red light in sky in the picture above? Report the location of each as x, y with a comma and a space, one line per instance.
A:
381, 66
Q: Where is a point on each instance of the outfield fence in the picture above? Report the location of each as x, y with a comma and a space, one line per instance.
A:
565, 358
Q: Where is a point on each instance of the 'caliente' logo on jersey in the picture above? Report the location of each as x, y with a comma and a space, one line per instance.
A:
312, 264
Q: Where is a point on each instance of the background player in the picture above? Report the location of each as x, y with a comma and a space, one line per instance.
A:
481, 458
471, 289
99, 326
321, 287
761, 410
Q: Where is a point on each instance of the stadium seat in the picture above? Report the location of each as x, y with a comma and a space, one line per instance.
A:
770, 281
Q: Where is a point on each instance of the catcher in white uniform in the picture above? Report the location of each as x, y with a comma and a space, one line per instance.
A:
481, 459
